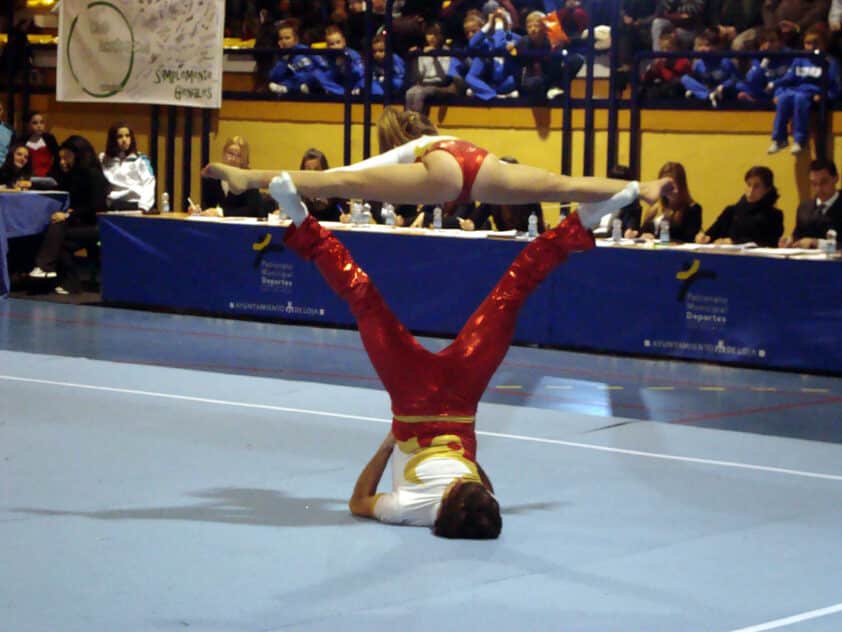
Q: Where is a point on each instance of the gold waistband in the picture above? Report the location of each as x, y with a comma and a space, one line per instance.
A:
451, 419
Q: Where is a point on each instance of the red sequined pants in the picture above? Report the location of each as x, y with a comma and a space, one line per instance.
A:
448, 383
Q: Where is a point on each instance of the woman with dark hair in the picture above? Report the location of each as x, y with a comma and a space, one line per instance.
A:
80, 175
127, 171
16, 172
323, 209
753, 218
314, 160
676, 206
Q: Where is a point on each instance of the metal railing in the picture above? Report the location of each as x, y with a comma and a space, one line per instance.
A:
589, 105
636, 89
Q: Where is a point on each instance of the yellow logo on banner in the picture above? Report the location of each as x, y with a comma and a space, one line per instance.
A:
689, 274
261, 245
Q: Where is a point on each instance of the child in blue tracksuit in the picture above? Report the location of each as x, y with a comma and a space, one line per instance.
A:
293, 72
488, 78
459, 66
764, 71
710, 79
331, 72
798, 89
378, 78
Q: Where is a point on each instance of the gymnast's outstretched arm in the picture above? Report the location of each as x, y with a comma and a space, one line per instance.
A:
365, 495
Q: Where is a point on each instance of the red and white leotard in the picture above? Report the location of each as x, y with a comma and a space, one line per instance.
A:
434, 395
468, 155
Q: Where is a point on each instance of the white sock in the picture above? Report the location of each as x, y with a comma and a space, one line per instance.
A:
590, 213
282, 189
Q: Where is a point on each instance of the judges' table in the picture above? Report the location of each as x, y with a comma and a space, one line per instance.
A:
24, 213
762, 311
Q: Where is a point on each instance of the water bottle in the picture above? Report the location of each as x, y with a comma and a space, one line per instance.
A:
830, 243
665, 231
387, 212
356, 213
165, 202
617, 229
365, 216
437, 218
532, 226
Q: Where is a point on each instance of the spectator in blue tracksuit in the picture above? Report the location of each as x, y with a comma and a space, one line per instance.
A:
710, 79
764, 71
378, 76
487, 77
294, 72
798, 89
332, 72
475, 38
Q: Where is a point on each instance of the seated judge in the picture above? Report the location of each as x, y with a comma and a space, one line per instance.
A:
217, 198
754, 218
821, 212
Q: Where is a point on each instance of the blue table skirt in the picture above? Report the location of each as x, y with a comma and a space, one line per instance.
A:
759, 311
21, 214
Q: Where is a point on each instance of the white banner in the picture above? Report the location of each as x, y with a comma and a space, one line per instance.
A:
167, 52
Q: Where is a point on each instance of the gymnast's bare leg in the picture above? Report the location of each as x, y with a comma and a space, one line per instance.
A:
438, 178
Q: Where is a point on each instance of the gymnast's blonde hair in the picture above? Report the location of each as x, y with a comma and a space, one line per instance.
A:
396, 128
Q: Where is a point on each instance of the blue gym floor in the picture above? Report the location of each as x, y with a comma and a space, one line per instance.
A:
163, 472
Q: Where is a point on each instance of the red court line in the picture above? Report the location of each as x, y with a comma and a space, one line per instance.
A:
555, 369
648, 379
558, 398
755, 411
188, 332
363, 378
246, 369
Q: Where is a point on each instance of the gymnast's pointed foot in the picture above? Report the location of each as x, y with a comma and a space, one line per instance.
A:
653, 190
283, 191
591, 213
238, 179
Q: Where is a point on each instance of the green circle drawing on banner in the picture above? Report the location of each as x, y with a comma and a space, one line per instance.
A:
96, 20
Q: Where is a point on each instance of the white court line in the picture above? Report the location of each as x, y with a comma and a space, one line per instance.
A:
796, 618
501, 435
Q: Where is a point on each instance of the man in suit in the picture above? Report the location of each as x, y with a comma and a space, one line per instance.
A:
821, 212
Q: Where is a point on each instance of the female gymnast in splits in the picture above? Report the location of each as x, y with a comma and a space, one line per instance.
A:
436, 480
418, 166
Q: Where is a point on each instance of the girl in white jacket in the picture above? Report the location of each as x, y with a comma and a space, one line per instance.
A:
128, 172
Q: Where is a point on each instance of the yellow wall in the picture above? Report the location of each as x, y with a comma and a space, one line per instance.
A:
715, 147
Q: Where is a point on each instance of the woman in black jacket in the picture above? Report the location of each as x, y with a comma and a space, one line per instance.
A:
754, 218
80, 175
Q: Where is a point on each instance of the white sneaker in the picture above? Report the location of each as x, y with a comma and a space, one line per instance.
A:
282, 189
277, 88
514, 94
688, 95
38, 273
775, 147
469, 92
304, 88
713, 97
796, 148
61, 291
552, 93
